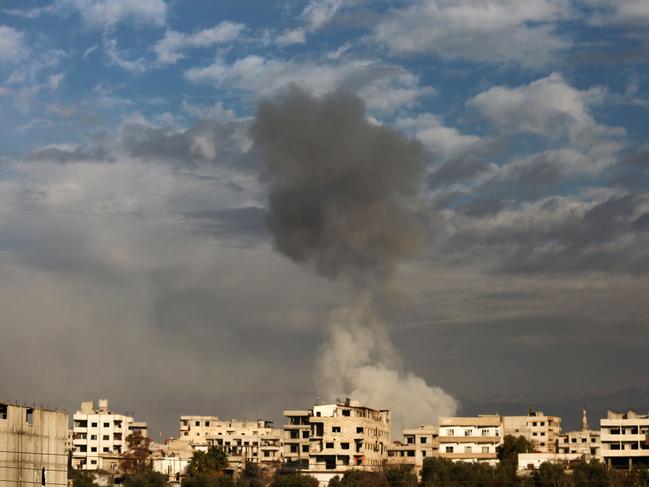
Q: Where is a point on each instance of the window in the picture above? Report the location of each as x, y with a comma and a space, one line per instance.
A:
335, 429
451, 432
485, 432
467, 449
207, 423
344, 446
93, 462
184, 422
198, 423
293, 448
329, 445
106, 425
93, 449
106, 449
485, 449
422, 440
305, 448
93, 437
186, 433
3, 411
29, 416
359, 429
449, 449
83, 448
411, 453
468, 432
423, 453
106, 437
94, 425
346, 412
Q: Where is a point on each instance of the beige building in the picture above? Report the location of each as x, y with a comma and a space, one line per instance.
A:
417, 445
99, 436
340, 437
585, 442
470, 439
625, 439
32, 445
543, 431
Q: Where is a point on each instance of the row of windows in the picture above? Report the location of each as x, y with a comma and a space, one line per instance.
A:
469, 432
467, 449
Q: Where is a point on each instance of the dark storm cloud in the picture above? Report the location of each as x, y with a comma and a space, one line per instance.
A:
455, 171
209, 141
339, 185
246, 225
74, 154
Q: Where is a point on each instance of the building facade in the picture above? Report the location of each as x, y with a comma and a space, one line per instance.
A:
417, 445
470, 439
625, 439
543, 431
585, 442
99, 436
33, 446
332, 439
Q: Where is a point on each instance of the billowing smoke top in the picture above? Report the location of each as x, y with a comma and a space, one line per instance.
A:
340, 185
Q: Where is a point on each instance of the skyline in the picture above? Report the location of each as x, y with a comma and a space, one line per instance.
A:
134, 252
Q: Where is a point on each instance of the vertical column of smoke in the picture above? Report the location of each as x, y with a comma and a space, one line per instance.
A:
340, 195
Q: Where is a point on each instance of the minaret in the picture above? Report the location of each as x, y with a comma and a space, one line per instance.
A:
584, 420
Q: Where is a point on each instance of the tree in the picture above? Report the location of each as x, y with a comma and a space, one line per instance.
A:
401, 476
136, 459
146, 479
293, 480
80, 478
551, 475
511, 447
212, 462
592, 474
251, 476
359, 478
208, 480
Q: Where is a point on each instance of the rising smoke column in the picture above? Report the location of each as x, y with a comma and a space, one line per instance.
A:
341, 191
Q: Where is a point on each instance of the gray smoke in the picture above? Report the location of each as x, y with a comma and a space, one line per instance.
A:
340, 186
342, 191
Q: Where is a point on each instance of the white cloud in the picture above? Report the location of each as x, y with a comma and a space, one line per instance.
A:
169, 48
290, 37
384, 88
315, 15
55, 80
103, 13
620, 12
116, 57
11, 44
445, 142
484, 30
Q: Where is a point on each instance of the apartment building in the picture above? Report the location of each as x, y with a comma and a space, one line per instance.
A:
470, 439
625, 439
32, 445
339, 437
585, 442
99, 436
543, 431
417, 445
247, 441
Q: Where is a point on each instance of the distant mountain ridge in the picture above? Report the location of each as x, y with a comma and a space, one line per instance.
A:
566, 405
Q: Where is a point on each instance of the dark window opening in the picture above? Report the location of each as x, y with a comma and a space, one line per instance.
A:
346, 412
3, 411
29, 416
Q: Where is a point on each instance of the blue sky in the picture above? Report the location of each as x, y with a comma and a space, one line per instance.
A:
129, 186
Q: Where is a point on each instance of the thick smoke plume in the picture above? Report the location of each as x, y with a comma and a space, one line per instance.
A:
340, 186
342, 191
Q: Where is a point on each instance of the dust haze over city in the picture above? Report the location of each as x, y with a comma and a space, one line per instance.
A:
235, 208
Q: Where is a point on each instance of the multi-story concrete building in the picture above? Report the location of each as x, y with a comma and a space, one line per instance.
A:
99, 436
585, 442
247, 441
340, 437
418, 444
32, 446
470, 439
543, 431
625, 439
195, 429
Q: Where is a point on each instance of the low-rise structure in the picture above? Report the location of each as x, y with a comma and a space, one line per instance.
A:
417, 445
470, 439
528, 462
625, 439
543, 431
585, 442
33, 445
341, 437
99, 436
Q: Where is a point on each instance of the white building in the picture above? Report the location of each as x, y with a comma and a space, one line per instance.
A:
585, 442
543, 431
470, 439
32, 445
332, 439
532, 461
625, 439
99, 436
418, 444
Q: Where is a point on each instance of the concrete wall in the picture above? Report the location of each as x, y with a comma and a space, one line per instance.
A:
30, 439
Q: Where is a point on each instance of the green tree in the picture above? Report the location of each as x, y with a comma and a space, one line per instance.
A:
400, 476
137, 458
508, 452
81, 478
251, 476
359, 478
592, 474
293, 480
146, 479
208, 480
551, 475
212, 462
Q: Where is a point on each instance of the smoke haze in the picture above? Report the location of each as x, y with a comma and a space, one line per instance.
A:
341, 195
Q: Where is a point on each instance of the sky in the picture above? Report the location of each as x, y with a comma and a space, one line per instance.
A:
136, 188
